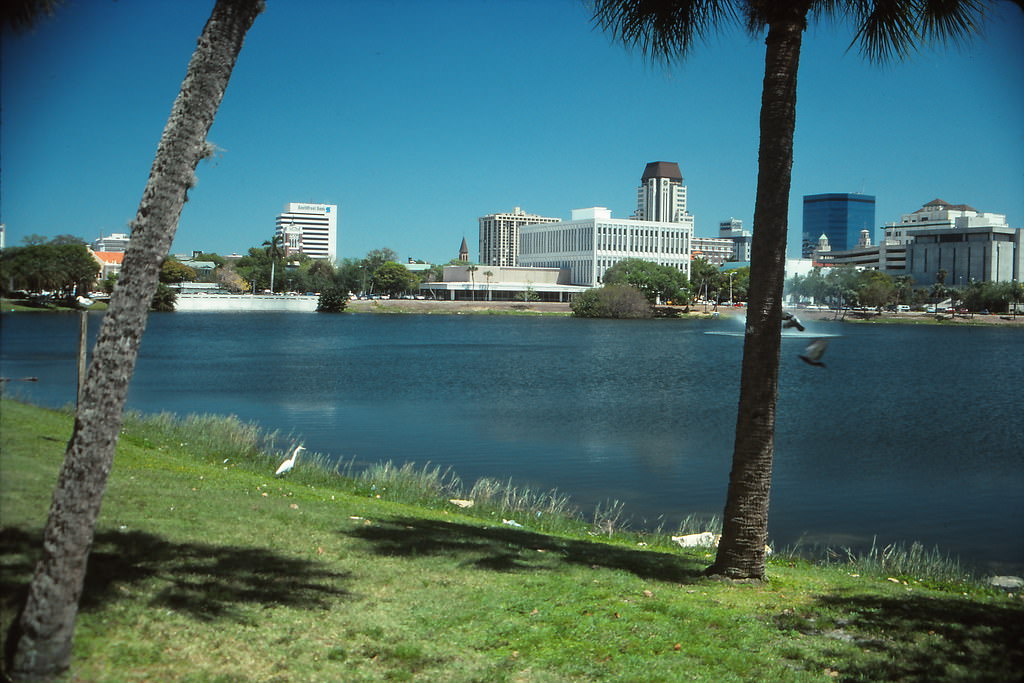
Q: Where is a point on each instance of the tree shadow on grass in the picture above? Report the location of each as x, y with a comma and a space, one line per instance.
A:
508, 550
925, 638
205, 581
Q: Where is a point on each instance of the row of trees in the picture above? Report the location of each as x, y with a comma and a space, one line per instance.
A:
848, 287
267, 268
61, 267
665, 284
64, 267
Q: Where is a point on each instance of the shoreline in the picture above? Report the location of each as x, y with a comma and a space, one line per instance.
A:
693, 312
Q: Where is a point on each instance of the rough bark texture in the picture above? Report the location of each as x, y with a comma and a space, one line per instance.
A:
741, 553
42, 635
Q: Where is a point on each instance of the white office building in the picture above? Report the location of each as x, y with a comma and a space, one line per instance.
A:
310, 229
499, 236
593, 241
938, 215
114, 242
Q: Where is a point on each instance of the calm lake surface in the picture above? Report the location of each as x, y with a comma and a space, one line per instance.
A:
910, 433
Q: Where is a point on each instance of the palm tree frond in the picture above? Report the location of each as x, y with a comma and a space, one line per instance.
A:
951, 20
663, 30
886, 29
890, 30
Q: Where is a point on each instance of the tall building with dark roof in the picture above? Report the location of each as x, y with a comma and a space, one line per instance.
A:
661, 196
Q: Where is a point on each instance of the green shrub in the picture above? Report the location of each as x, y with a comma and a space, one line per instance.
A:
164, 299
332, 300
612, 301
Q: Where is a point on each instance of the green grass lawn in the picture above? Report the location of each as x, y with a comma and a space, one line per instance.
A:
206, 567
13, 306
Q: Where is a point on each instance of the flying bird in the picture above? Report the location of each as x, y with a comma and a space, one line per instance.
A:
290, 462
790, 320
814, 351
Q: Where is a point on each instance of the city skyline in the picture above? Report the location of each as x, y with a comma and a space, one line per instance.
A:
415, 125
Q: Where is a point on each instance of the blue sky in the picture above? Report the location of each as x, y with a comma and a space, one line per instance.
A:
418, 117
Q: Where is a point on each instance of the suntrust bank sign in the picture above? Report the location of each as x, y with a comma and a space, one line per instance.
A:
310, 208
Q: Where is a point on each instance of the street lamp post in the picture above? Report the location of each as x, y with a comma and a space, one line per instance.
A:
731, 273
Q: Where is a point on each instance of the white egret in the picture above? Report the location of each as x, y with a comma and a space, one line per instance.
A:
290, 462
814, 351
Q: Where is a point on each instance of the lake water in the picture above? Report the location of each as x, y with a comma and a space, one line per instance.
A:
909, 433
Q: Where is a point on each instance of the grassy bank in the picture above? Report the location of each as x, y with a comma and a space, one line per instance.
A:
206, 567
13, 306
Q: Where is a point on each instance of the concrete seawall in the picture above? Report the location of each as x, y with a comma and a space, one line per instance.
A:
244, 303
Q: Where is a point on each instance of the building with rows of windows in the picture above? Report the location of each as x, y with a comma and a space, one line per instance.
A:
310, 229
499, 236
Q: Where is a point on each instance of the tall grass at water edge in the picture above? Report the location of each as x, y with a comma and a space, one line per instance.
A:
234, 443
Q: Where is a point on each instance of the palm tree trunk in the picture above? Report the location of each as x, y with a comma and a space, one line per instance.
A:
741, 551
42, 634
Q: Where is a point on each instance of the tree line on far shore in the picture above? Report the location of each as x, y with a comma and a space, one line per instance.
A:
61, 269
633, 286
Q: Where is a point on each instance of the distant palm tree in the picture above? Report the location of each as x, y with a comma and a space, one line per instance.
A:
488, 274
39, 642
273, 249
668, 31
472, 280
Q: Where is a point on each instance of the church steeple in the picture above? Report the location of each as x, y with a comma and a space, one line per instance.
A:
464, 251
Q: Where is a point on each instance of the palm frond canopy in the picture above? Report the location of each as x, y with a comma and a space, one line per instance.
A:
891, 30
886, 30
663, 30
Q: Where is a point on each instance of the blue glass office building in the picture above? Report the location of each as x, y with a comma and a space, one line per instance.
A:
838, 216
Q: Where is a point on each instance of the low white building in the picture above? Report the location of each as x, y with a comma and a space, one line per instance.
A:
888, 258
593, 241
714, 250
502, 283
113, 242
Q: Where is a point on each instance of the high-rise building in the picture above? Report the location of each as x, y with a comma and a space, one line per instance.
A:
499, 236
310, 229
661, 196
838, 216
732, 229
